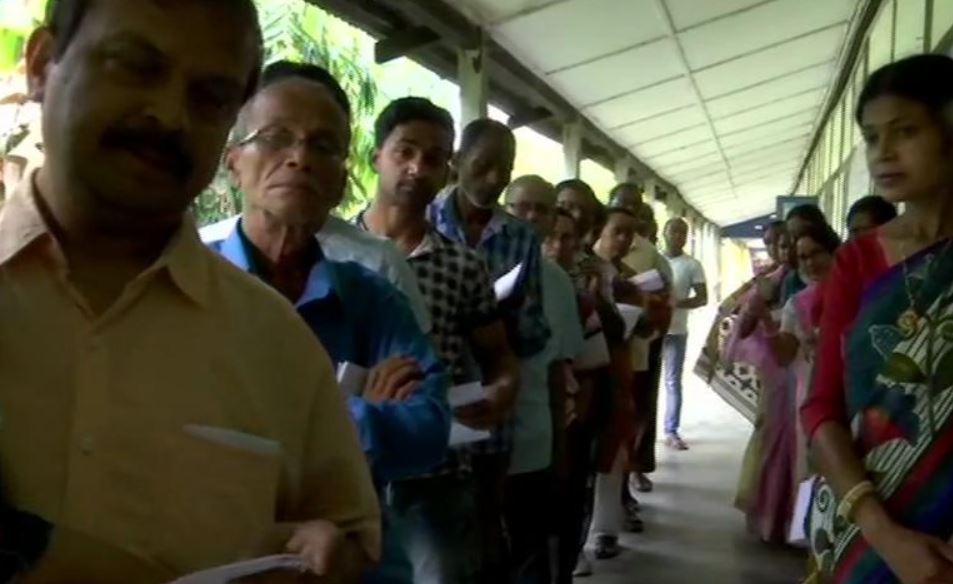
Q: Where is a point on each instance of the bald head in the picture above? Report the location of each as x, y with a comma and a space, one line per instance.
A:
533, 199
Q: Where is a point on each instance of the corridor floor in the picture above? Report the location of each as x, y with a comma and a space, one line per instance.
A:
692, 531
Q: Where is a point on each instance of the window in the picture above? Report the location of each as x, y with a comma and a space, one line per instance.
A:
881, 38
911, 18
942, 21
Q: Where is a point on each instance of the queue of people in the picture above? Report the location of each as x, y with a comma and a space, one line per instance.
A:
450, 388
850, 344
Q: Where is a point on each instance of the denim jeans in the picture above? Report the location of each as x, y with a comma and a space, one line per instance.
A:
674, 360
439, 528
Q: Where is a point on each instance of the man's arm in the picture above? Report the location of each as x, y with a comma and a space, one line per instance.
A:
500, 369
698, 299
404, 427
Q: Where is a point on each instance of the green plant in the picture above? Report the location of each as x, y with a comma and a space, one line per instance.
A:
303, 32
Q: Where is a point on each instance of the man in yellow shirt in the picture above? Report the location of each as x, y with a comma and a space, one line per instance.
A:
164, 412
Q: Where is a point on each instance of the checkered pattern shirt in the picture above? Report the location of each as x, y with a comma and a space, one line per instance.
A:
457, 291
506, 243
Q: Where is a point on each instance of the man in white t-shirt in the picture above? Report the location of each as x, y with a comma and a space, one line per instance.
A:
688, 293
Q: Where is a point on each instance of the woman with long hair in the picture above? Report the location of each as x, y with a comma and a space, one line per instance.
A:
880, 414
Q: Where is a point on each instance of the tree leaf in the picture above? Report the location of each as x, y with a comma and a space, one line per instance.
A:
902, 369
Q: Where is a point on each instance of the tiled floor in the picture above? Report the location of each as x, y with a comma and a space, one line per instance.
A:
693, 533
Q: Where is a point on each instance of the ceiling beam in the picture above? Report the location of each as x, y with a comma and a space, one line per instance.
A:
528, 116
403, 42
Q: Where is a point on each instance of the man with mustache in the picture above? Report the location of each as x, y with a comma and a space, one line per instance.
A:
164, 412
414, 140
288, 158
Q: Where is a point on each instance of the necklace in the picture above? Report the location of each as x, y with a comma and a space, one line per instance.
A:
910, 318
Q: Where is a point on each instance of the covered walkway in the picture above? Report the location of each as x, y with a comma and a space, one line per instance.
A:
691, 527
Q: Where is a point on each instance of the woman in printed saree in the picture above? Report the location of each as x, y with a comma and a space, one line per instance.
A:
794, 340
765, 490
880, 414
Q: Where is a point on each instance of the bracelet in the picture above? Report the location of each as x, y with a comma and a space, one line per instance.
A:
848, 504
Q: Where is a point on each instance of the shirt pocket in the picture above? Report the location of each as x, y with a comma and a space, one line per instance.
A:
219, 499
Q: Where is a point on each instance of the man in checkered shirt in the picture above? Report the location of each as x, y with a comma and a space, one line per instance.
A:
414, 144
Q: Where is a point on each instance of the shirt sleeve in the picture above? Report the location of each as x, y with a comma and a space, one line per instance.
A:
409, 437
698, 274
570, 333
826, 401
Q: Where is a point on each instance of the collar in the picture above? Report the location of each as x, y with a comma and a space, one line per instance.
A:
450, 217
323, 279
184, 257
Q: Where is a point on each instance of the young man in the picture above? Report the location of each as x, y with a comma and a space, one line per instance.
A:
547, 378
288, 161
689, 292
438, 512
469, 213
190, 419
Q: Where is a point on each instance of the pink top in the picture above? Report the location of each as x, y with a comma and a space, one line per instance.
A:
856, 266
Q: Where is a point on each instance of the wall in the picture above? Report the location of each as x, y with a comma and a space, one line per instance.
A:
836, 169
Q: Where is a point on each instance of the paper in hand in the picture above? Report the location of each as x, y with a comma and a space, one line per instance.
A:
631, 316
458, 397
797, 535
231, 572
650, 281
352, 378
506, 284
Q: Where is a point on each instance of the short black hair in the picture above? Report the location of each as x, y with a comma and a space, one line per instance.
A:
824, 236
926, 79
810, 213
64, 17
282, 70
479, 129
880, 209
575, 184
411, 109
625, 187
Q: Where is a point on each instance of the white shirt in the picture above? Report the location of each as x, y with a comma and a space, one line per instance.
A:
687, 272
342, 242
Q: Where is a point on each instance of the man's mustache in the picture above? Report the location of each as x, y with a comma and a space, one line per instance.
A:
166, 149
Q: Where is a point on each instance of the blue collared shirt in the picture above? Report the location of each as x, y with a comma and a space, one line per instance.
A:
361, 318
506, 242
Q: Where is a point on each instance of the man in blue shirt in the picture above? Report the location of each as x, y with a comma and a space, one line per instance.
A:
289, 161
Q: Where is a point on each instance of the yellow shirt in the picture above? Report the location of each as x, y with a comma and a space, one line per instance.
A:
176, 430
642, 257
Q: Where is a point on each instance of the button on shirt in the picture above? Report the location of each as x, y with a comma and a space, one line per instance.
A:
174, 431
687, 272
533, 433
360, 318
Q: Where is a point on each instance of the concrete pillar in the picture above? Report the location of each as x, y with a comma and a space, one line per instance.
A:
623, 170
472, 78
572, 148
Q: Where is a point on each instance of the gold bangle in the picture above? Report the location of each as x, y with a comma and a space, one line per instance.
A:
848, 505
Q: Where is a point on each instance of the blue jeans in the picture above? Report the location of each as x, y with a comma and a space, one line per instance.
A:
673, 354
439, 528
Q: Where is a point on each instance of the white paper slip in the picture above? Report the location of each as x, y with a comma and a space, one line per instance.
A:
595, 353
650, 281
630, 315
352, 378
506, 284
231, 572
460, 434
466, 394
797, 535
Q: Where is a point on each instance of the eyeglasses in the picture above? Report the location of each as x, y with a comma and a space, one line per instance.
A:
279, 139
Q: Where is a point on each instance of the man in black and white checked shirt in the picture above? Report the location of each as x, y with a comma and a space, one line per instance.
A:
444, 535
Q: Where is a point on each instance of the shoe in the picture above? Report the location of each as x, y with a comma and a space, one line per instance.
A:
633, 486
583, 566
675, 442
645, 484
631, 522
607, 547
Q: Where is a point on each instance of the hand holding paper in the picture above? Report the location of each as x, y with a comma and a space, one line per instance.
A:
650, 281
631, 316
506, 284
467, 400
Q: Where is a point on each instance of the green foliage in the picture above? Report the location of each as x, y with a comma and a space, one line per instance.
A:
303, 32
